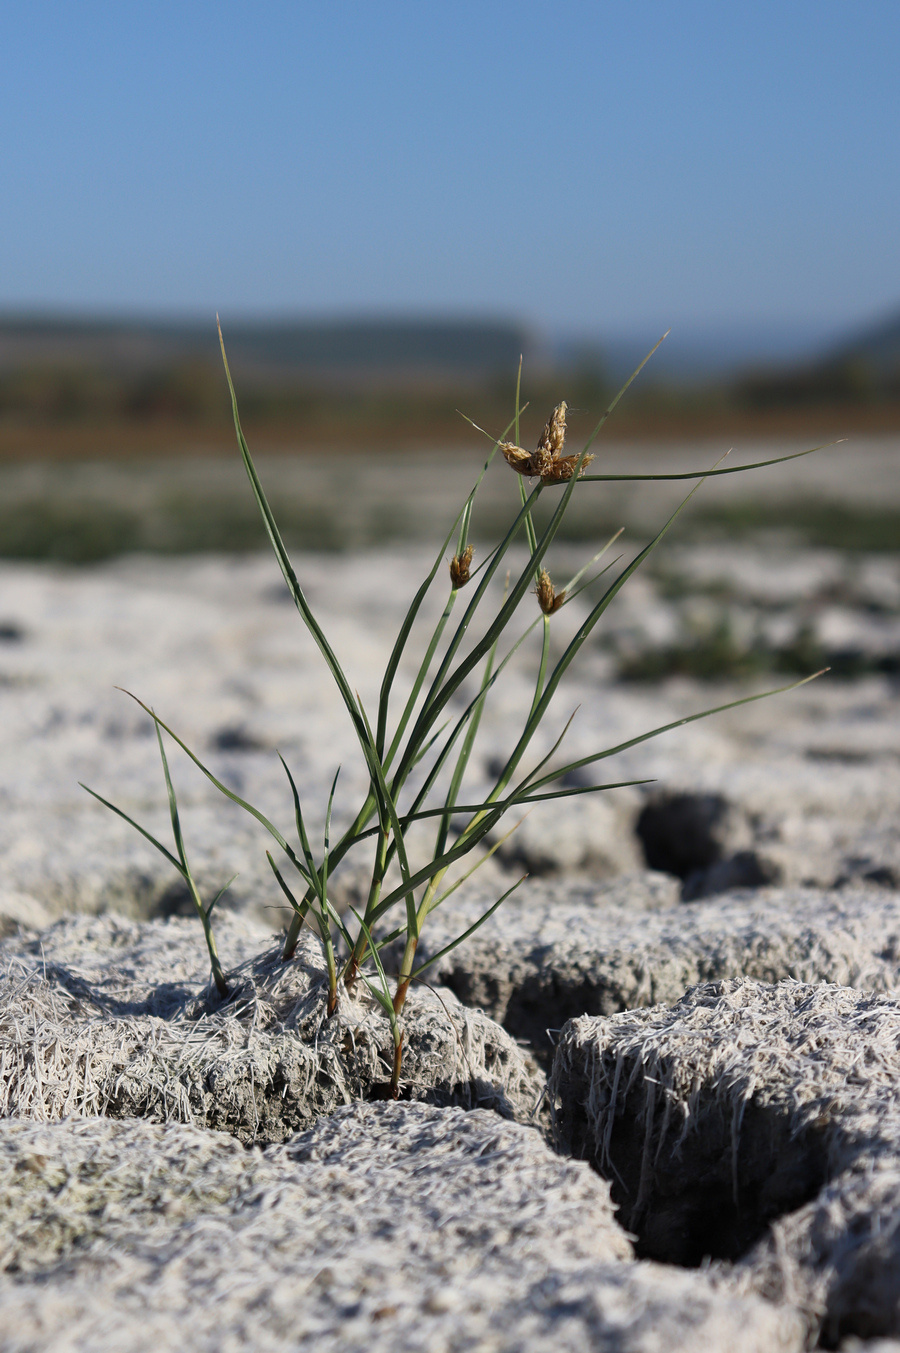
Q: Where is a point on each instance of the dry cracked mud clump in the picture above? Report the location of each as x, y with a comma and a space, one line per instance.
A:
553, 951
384, 1227
105, 1016
754, 1123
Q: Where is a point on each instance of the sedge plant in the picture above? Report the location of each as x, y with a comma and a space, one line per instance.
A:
417, 750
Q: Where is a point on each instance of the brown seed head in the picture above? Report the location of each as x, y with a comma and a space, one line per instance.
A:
553, 438
547, 459
459, 567
549, 599
519, 460
563, 467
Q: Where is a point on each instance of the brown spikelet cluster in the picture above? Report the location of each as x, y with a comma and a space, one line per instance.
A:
459, 567
549, 599
547, 459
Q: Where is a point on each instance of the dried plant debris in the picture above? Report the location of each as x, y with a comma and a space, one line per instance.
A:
752, 1122
89, 1025
557, 951
384, 1227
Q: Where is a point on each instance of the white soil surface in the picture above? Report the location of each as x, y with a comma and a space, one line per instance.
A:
215, 645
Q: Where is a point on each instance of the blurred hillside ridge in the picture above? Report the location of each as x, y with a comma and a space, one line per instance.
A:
87, 387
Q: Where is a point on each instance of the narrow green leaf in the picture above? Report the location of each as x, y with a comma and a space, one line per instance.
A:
523, 795
397, 831
466, 933
301, 908
220, 894
137, 827
706, 474
667, 727
383, 993
634, 375
327, 836
312, 874
284, 561
173, 802
223, 789
468, 743
585, 629
383, 999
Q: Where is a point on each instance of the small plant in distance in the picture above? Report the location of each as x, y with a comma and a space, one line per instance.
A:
417, 750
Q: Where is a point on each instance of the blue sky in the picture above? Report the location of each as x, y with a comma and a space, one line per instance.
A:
586, 166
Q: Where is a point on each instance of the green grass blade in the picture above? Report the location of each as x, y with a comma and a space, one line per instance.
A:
465, 751
285, 564
338, 921
397, 836
464, 519
220, 894
542, 665
312, 876
517, 799
327, 836
300, 909
382, 993
667, 727
584, 630
523, 795
173, 802
448, 948
634, 375
706, 474
137, 827
223, 789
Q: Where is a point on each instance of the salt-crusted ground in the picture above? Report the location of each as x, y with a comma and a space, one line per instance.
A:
813, 777
771, 831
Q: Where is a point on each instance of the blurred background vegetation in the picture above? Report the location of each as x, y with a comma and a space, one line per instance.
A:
107, 389
116, 435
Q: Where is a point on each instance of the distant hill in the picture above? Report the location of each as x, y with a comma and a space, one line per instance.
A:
785, 356
695, 354
282, 347
878, 346
862, 367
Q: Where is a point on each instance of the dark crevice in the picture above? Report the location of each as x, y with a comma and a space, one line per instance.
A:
708, 1193
704, 1199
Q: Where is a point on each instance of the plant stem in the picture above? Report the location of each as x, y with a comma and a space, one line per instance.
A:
403, 979
217, 972
395, 1074
378, 869
328, 946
